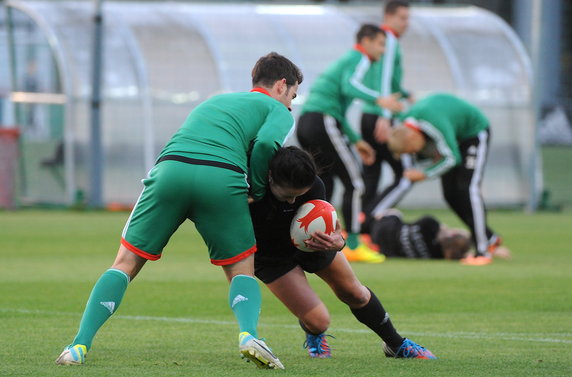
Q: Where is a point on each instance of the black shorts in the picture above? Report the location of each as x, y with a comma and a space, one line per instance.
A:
269, 266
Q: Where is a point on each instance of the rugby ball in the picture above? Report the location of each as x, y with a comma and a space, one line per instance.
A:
312, 216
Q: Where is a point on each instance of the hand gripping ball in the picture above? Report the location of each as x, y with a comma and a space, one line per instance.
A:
312, 216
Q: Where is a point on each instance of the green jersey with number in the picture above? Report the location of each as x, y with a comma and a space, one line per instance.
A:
335, 89
242, 129
445, 120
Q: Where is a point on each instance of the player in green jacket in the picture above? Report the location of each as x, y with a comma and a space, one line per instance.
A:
386, 76
202, 174
450, 138
324, 131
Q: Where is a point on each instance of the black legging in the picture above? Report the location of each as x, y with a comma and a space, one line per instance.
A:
392, 194
462, 189
321, 135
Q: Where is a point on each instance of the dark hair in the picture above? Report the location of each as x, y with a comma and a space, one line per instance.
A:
293, 167
273, 67
392, 6
368, 31
455, 246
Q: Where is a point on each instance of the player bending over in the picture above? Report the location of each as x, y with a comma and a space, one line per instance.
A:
201, 175
449, 138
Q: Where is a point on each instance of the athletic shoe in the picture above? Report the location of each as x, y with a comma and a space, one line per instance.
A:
72, 355
363, 254
496, 250
479, 260
257, 351
408, 350
494, 243
317, 346
366, 240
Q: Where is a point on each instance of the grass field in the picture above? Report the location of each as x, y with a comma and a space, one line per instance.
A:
558, 175
512, 318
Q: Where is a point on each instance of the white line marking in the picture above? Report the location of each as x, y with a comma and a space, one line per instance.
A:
524, 337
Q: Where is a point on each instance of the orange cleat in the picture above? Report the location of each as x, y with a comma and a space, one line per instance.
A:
479, 260
366, 240
498, 251
363, 254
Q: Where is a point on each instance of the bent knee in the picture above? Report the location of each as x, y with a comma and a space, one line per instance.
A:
317, 323
355, 297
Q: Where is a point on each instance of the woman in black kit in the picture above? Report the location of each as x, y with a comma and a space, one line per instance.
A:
293, 181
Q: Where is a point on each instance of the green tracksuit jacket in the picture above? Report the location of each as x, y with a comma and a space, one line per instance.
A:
386, 74
335, 89
446, 120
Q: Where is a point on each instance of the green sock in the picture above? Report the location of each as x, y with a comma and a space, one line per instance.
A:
104, 300
353, 240
245, 300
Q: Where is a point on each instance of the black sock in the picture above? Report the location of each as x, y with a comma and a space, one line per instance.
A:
374, 316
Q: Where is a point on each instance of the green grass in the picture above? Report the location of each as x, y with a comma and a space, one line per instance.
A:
512, 318
558, 175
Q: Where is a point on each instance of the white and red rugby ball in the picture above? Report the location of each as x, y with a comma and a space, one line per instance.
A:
314, 215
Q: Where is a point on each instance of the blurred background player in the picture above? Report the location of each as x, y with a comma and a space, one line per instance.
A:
425, 238
201, 174
292, 181
324, 131
385, 76
451, 136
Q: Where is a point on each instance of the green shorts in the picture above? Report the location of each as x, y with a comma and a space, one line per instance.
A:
214, 198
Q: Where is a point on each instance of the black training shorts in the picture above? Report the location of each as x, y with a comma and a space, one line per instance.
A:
269, 265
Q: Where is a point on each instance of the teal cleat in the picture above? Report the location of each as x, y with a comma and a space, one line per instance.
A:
72, 355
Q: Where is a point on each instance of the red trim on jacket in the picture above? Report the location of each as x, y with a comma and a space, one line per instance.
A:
412, 124
390, 30
239, 257
141, 253
261, 90
360, 48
